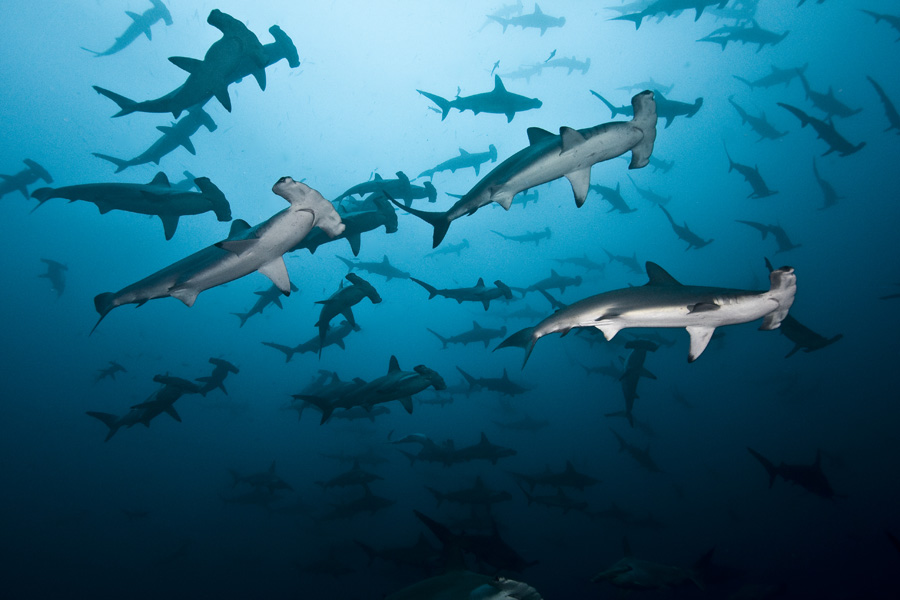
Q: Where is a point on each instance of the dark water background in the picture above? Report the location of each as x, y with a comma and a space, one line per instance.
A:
351, 109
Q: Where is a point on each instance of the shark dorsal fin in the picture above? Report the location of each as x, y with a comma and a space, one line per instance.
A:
238, 226
475, 325
356, 464
658, 275
272, 467
385, 260
537, 9
480, 283
498, 84
160, 179
571, 138
394, 365
484, 439
536, 134
463, 152
553, 273
479, 484
626, 547
569, 467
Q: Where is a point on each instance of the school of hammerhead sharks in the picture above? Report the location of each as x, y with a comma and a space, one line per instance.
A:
310, 221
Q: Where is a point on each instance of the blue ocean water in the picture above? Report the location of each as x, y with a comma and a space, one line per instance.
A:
155, 511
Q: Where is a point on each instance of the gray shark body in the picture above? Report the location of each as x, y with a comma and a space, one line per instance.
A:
827, 102
174, 136
525, 72
751, 176
582, 261
370, 214
526, 423
825, 131
665, 108
503, 385
421, 555
759, 124
809, 477
650, 195
890, 110
355, 476
334, 336
369, 503
56, 274
554, 282
21, 180
572, 64
535, 20
636, 574
497, 101
476, 335
209, 77
803, 337
569, 154
450, 249
633, 372
892, 20
684, 232
530, 237
640, 455
383, 267
754, 34
781, 238
775, 77
246, 250
568, 477
140, 25
216, 380
268, 480
661, 8
631, 262
270, 296
156, 198
477, 495
614, 197
478, 293
398, 189
109, 371
558, 500
342, 302
664, 302
467, 584
465, 160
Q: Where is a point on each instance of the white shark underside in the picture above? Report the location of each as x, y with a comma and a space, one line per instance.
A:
663, 302
247, 249
569, 154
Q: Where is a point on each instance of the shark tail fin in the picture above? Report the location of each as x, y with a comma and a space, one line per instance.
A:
524, 338
442, 103
370, 552
103, 303
636, 18
243, 317
644, 119
412, 457
771, 469
473, 383
432, 291
108, 420
440, 337
747, 81
126, 106
121, 165
438, 220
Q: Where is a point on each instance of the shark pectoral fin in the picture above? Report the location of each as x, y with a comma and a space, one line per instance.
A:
406, 401
188, 145
170, 410
700, 337
277, 272
185, 294
238, 247
607, 327
260, 76
581, 181
355, 241
187, 64
222, 96
170, 223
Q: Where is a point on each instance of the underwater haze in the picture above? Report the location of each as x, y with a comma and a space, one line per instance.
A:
776, 448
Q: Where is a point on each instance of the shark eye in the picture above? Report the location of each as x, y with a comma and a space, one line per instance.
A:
282, 180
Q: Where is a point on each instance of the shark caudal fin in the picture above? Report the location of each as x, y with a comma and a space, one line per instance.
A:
108, 420
442, 103
104, 303
287, 350
523, 338
444, 340
614, 110
644, 119
126, 105
243, 317
438, 220
771, 469
432, 291
121, 165
783, 288
635, 18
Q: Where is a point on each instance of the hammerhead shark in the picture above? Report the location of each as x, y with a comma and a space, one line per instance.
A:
684, 232
569, 154
140, 24
478, 293
56, 273
751, 176
398, 189
825, 131
465, 160
670, 7
535, 20
775, 77
497, 101
21, 180
157, 198
246, 249
745, 35
664, 302
341, 303
809, 477
209, 77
